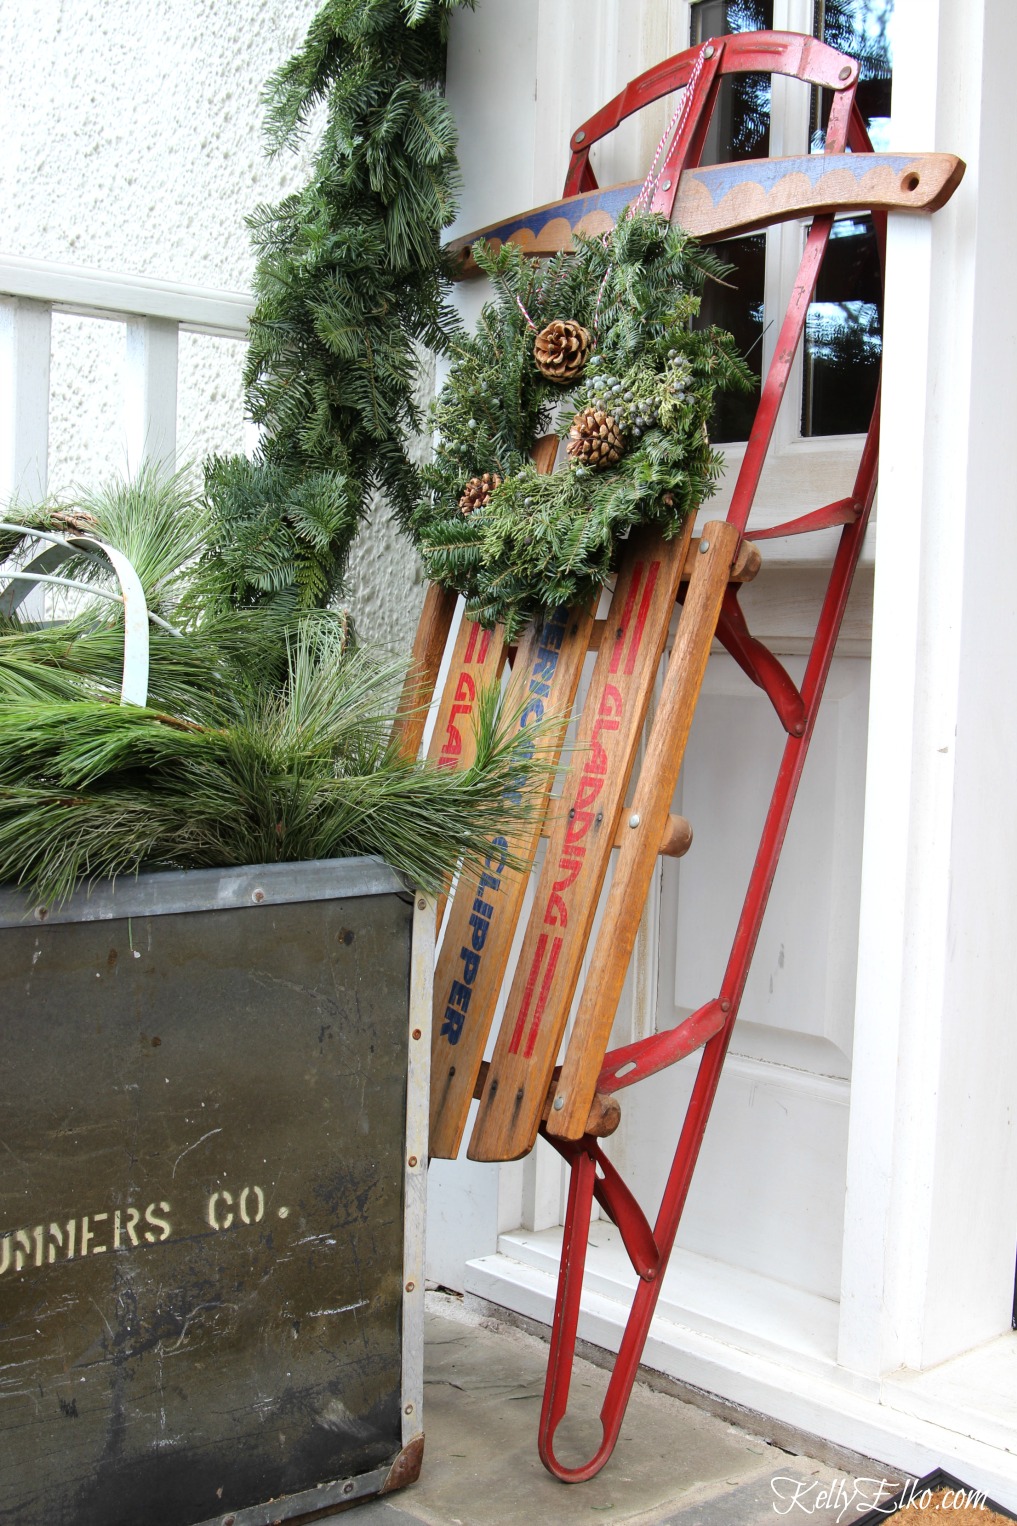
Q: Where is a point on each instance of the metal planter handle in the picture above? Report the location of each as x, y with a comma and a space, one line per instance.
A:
134, 686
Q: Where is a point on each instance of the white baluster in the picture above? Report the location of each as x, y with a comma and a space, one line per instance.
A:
25, 332
150, 392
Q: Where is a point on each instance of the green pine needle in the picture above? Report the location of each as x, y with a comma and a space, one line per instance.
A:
90, 789
267, 736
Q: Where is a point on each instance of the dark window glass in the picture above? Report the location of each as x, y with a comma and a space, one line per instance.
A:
843, 334
843, 331
738, 307
860, 28
740, 129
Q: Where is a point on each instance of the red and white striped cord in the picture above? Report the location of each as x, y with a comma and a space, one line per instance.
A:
670, 133
649, 186
529, 320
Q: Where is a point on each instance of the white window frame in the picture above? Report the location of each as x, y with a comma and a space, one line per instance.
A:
804, 456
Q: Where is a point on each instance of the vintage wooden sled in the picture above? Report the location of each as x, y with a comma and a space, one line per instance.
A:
606, 806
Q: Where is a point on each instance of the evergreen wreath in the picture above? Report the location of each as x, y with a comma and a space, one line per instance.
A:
512, 541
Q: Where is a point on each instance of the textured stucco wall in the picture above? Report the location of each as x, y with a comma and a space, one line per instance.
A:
132, 143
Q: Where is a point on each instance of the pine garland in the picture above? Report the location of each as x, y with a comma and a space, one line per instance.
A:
541, 542
350, 284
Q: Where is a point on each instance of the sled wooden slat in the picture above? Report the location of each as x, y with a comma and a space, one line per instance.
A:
482, 921
425, 665
478, 657
650, 808
579, 848
481, 656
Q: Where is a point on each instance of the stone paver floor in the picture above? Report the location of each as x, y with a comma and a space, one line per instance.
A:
674, 1465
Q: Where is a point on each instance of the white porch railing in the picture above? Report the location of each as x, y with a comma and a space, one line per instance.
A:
152, 312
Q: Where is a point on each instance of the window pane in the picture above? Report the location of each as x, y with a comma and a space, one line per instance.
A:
843, 331
741, 312
843, 334
860, 28
740, 129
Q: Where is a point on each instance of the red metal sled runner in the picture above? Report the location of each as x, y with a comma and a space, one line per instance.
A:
521, 1091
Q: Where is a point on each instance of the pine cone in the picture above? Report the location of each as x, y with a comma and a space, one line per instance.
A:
595, 439
477, 491
561, 350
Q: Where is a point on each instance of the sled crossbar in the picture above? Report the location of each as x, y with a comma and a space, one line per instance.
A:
608, 806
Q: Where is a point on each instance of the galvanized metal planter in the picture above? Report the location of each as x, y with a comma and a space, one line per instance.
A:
212, 1196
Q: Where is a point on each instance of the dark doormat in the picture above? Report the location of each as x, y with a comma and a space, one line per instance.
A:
939, 1497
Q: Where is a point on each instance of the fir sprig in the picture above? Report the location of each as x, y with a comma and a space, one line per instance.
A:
543, 541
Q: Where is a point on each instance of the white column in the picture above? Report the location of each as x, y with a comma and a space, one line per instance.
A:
150, 392
25, 332
931, 1213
